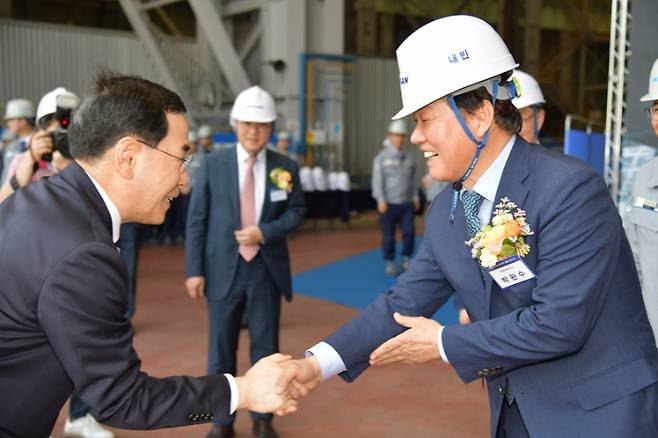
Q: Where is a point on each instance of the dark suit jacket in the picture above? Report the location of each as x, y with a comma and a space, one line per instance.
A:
63, 295
574, 342
214, 215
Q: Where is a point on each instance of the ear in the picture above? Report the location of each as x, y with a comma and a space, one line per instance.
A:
481, 119
125, 156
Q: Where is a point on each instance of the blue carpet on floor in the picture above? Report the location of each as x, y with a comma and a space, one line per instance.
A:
356, 281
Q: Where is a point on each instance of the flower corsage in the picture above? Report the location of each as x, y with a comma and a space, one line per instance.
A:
503, 238
281, 178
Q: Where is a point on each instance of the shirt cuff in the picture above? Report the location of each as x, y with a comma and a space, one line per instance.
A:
330, 361
441, 350
235, 394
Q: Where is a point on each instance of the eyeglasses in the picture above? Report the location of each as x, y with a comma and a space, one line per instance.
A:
652, 111
185, 161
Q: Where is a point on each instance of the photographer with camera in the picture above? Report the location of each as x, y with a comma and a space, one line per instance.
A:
48, 150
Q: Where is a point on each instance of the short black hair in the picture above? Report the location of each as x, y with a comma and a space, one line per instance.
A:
121, 105
506, 115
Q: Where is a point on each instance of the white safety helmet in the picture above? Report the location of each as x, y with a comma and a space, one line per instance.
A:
283, 135
19, 109
204, 131
253, 105
530, 91
652, 94
397, 127
59, 97
451, 55
192, 137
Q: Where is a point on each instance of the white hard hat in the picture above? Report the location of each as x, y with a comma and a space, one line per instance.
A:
652, 94
343, 181
530, 91
192, 137
319, 178
59, 97
397, 127
253, 105
451, 55
283, 135
19, 109
332, 180
204, 131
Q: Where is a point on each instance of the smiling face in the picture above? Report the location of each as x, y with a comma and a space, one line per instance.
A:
446, 147
158, 176
253, 136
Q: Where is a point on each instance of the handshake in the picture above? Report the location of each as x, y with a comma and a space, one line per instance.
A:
276, 382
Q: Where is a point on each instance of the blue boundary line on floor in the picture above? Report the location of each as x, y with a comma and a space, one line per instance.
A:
355, 282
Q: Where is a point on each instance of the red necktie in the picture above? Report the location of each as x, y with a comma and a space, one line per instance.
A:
248, 209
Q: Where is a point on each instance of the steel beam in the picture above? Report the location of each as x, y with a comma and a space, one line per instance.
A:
141, 28
236, 7
221, 44
146, 5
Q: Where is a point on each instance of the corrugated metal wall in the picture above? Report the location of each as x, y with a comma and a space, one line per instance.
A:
37, 57
373, 99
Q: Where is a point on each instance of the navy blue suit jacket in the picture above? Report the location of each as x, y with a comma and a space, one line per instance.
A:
214, 215
574, 342
63, 294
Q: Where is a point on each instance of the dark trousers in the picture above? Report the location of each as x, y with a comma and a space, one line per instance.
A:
510, 424
130, 243
253, 292
402, 215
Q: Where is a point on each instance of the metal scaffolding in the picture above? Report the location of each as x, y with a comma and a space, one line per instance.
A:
616, 105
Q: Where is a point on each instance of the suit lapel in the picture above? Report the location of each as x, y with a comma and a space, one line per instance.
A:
270, 161
231, 168
511, 187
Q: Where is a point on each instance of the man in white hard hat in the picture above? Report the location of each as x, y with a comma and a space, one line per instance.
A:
47, 151
283, 142
204, 135
19, 118
531, 242
246, 201
395, 184
531, 106
642, 220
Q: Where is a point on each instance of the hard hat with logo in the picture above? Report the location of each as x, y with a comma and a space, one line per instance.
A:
204, 131
652, 94
397, 127
59, 97
530, 91
450, 56
253, 105
19, 109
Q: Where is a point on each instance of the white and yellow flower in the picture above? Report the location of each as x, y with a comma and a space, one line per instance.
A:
503, 238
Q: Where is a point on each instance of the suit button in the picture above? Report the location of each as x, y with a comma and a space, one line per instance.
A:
500, 389
191, 417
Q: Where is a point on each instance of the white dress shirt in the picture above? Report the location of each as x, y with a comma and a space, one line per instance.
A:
330, 361
116, 228
259, 175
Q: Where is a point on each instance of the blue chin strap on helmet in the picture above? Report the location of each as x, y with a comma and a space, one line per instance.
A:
535, 121
457, 185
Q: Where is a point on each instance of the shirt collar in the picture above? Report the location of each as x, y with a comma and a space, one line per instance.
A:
111, 208
487, 184
243, 155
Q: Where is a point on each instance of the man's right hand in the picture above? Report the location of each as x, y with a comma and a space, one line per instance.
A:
41, 144
382, 207
195, 286
306, 372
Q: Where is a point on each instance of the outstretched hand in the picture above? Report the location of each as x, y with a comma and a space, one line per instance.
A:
419, 344
302, 374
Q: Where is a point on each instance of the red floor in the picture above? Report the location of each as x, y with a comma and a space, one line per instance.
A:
394, 401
